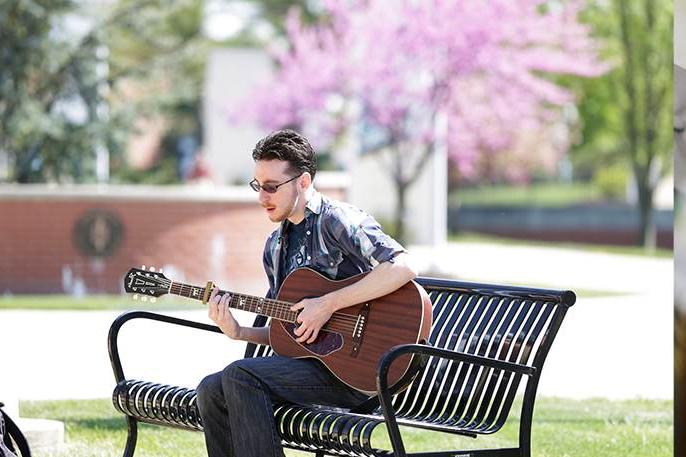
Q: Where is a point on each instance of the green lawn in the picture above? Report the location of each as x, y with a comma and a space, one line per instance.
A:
562, 427
92, 302
543, 194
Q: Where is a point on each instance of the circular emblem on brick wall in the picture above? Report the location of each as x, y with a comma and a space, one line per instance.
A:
98, 233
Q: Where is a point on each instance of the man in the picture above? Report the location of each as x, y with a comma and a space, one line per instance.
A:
334, 238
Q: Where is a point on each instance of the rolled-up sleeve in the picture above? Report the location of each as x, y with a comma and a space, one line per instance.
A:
360, 236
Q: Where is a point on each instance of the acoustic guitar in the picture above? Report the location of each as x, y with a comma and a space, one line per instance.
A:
350, 344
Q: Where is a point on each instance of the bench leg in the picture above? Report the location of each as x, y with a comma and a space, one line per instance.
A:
132, 437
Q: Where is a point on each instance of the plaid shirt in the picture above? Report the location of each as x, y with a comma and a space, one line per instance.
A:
340, 241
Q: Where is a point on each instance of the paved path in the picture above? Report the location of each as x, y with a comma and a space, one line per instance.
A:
549, 267
617, 346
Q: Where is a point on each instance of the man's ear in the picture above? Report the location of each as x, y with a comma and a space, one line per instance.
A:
305, 180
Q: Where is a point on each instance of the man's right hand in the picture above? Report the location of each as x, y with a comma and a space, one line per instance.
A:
218, 311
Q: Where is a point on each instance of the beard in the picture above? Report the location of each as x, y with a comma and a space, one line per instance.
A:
282, 215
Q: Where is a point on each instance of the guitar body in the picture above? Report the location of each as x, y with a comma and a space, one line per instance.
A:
355, 338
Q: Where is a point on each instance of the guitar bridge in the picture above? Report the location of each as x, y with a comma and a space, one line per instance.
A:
359, 330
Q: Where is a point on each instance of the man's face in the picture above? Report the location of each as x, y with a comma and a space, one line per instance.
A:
281, 204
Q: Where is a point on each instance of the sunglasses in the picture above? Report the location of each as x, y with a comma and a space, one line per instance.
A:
269, 188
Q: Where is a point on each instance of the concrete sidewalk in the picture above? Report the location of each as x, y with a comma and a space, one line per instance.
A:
548, 267
617, 346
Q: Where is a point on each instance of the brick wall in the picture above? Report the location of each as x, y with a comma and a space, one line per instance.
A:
194, 234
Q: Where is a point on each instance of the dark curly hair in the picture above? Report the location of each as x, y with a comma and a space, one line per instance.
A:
289, 146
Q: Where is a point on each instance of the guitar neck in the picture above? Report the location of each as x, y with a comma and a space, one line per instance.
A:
272, 308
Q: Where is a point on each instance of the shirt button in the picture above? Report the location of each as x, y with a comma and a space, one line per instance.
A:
308, 257
308, 232
331, 263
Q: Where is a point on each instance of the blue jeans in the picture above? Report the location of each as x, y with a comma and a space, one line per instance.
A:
236, 404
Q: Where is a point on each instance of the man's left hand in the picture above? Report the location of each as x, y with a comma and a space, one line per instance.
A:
315, 313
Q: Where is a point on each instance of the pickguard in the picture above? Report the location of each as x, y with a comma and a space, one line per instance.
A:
326, 342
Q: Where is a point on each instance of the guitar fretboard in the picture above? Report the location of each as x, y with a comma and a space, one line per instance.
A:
272, 308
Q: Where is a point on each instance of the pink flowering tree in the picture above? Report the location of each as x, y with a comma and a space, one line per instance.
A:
472, 75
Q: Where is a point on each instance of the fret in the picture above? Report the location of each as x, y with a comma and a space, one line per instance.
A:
185, 290
259, 305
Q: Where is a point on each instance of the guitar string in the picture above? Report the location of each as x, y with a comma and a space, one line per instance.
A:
345, 323
338, 322
281, 306
348, 322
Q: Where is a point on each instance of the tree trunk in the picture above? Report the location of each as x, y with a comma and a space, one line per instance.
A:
400, 205
647, 227
404, 172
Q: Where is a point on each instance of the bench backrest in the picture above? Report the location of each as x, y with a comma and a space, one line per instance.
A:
508, 323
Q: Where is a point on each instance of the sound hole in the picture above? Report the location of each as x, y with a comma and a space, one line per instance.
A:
326, 342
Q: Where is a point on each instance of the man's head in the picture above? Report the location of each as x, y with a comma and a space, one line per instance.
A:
285, 166
288, 146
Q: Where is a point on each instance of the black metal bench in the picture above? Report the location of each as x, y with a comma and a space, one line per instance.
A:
485, 340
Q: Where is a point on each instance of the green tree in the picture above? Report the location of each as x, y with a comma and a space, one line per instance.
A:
64, 72
273, 13
626, 114
645, 99
157, 62
49, 93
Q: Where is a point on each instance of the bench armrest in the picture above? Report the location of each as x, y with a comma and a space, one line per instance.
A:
113, 335
385, 394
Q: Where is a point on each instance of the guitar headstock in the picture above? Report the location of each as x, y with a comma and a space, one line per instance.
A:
146, 283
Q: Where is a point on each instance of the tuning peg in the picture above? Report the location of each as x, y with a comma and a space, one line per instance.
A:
153, 300
142, 267
144, 298
152, 268
135, 296
161, 271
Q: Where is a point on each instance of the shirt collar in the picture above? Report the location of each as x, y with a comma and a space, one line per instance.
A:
314, 206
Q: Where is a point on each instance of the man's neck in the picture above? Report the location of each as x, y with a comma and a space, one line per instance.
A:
298, 213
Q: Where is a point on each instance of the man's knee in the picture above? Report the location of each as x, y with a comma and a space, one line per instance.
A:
209, 388
237, 376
